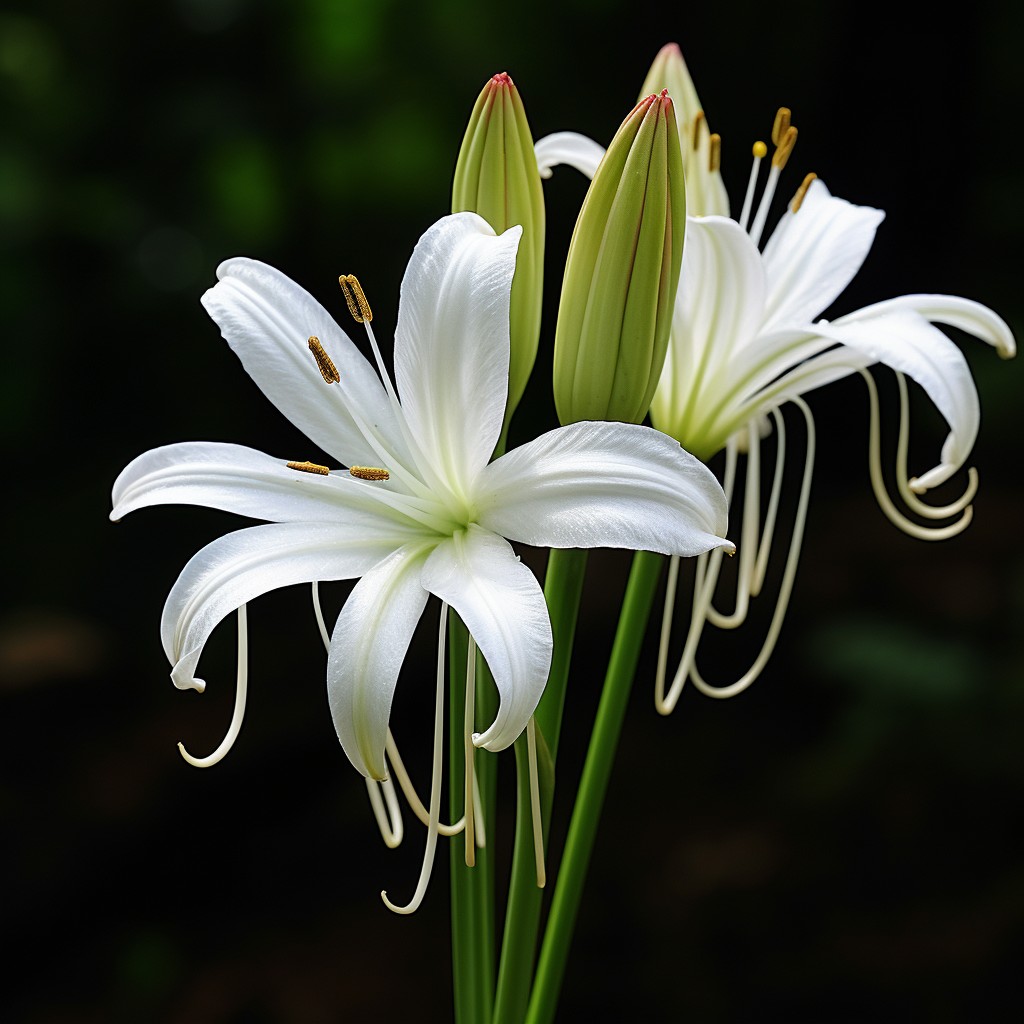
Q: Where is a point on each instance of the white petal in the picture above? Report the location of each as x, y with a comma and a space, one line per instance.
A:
568, 148
908, 343
614, 485
368, 647
719, 307
965, 314
244, 481
452, 343
503, 607
267, 320
814, 254
240, 566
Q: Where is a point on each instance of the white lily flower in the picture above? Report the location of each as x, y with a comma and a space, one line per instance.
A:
746, 340
421, 510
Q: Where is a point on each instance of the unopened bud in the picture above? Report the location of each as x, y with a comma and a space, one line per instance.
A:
621, 273
705, 190
496, 177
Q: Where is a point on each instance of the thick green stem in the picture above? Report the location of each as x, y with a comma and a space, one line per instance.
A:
562, 590
472, 888
604, 739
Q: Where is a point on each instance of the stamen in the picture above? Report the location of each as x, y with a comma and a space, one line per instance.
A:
369, 473
435, 781
715, 155
355, 298
239, 711
538, 824
760, 150
781, 124
784, 148
798, 199
768, 533
389, 820
469, 752
698, 119
878, 484
324, 363
309, 467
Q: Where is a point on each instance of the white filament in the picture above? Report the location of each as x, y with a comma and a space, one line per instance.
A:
748, 199
236, 717
435, 781
389, 819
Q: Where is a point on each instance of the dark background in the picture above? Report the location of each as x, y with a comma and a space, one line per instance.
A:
838, 844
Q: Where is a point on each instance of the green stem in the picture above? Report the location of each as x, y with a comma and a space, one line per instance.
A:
472, 888
562, 590
604, 739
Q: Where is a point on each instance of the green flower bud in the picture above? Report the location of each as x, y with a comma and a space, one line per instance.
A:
496, 176
705, 190
621, 273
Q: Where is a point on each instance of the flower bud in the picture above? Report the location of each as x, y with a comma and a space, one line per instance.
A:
705, 190
621, 273
496, 176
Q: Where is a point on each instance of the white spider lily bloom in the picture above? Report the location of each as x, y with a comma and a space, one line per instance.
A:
421, 509
746, 340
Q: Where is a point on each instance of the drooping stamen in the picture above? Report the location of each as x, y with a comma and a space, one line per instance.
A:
760, 151
389, 820
435, 781
878, 483
788, 576
324, 363
537, 820
761, 566
369, 473
798, 199
239, 711
905, 485
391, 754
309, 467
469, 752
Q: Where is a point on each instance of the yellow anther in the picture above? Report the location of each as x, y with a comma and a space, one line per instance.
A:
698, 120
324, 363
356, 298
309, 467
785, 147
369, 473
760, 150
798, 199
715, 156
782, 121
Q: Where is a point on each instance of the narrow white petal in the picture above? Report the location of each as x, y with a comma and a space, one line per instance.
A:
615, 485
240, 566
452, 343
568, 148
813, 255
965, 314
244, 481
267, 320
368, 646
502, 604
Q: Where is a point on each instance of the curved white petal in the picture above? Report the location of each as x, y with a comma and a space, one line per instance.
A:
452, 343
906, 342
814, 254
965, 314
502, 604
616, 485
568, 148
719, 307
267, 319
240, 566
368, 646
242, 480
